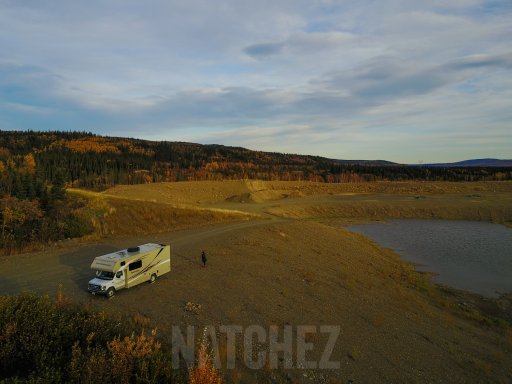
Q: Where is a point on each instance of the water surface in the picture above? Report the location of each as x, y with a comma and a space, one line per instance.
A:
470, 255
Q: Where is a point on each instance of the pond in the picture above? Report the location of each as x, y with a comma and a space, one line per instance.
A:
470, 255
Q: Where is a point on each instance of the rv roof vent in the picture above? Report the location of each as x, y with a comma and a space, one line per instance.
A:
133, 249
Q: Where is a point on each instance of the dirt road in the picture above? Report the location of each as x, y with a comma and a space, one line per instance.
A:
68, 264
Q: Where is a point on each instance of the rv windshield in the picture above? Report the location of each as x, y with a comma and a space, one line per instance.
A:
104, 275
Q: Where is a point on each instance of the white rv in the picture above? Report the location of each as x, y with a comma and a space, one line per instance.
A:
129, 267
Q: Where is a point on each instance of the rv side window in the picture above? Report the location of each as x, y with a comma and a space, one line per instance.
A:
135, 265
119, 274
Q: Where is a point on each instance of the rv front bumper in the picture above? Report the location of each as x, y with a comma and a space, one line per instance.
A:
96, 289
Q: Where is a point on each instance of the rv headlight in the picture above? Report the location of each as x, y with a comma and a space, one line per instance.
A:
102, 287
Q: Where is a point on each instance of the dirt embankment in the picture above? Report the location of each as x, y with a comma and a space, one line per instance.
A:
495, 208
124, 217
211, 192
390, 187
182, 193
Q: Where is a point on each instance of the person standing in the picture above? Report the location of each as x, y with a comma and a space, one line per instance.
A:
203, 258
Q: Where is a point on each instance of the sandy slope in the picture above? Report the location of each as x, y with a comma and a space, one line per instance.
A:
209, 192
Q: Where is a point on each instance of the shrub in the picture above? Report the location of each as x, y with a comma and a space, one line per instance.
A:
43, 341
204, 372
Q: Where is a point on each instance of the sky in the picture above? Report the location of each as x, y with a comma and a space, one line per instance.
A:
408, 81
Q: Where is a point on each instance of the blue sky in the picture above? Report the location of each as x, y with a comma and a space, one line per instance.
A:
400, 80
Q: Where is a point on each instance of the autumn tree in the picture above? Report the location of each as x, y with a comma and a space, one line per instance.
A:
20, 222
29, 163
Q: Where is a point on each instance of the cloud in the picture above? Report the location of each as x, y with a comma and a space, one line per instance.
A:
310, 42
300, 42
325, 77
385, 78
264, 50
482, 61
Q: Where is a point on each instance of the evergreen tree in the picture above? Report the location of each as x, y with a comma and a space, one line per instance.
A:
58, 185
28, 186
17, 187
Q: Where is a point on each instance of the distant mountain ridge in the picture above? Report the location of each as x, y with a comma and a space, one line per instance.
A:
365, 162
474, 163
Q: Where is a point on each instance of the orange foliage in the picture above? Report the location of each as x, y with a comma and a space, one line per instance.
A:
94, 144
59, 295
141, 151
212, 166
135, 149
29, 163
126, 353
205, 372
134, 346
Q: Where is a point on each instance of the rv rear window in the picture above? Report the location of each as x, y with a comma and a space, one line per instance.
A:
135, 265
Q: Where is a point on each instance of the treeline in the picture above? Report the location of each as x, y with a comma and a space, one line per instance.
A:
34, 209
85, 160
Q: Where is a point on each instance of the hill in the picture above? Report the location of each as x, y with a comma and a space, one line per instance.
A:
475, 163
29, 160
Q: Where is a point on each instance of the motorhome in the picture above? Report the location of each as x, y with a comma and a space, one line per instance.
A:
129, 267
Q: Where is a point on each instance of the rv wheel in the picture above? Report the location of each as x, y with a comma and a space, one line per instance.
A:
110, 292
152, 278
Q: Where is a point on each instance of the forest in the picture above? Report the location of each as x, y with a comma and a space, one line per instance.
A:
36, 167
29, 159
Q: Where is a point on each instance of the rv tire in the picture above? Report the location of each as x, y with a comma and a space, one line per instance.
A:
152, 279
110, 292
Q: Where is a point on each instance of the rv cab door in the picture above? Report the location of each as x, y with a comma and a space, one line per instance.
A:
119, 280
